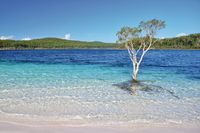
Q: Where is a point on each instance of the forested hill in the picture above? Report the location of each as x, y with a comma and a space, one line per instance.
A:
191, 41
50, 43
184, 42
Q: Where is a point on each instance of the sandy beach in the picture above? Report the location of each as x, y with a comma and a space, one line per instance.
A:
12, 127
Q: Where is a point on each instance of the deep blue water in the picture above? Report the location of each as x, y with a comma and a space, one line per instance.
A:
80, 84
185, 61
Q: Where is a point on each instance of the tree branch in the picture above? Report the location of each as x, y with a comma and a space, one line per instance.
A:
129, 52
150, 43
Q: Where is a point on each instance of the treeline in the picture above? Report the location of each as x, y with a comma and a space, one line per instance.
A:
184, 42
52, 43
191, 41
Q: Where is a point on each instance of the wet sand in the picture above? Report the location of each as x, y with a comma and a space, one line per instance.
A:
12, 127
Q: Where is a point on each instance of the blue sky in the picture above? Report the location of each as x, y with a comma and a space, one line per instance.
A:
93, 20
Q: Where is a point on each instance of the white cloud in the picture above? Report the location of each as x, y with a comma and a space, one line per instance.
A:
27, 38
6, 37
181, 34
67, 36
161, 37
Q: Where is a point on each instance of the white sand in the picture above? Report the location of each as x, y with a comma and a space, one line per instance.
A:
10, 127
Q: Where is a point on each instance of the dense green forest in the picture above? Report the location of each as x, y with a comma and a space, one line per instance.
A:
184, 42
191, 41
50, 43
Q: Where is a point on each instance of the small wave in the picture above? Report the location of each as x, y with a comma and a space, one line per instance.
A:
140, 121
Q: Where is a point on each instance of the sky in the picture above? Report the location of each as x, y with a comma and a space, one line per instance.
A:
94, 20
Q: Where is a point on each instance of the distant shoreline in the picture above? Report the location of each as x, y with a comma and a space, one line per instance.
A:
91, 48
190, 42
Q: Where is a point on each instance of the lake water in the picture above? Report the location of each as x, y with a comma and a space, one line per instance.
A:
80, 86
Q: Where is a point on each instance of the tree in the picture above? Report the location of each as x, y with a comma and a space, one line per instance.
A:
138, 39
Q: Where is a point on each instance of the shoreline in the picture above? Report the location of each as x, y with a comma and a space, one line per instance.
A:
14, 127
171, 115
35, 125
90, 48
27, 120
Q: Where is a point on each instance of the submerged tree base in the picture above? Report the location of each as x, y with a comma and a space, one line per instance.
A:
133, 86
134, 81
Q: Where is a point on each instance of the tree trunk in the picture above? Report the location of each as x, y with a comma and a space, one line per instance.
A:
135, 71
134, 77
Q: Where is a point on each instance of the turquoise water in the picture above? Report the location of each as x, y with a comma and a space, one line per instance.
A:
80, 85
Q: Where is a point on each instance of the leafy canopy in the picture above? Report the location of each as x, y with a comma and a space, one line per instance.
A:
145, 29
151, 27
126, 34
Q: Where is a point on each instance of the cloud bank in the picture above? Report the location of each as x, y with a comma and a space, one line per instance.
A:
5, 37
27, 38
181, 34
67, 36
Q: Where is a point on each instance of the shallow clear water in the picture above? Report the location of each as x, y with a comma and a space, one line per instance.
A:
80, 85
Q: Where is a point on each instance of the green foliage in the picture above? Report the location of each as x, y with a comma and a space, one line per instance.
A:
141, 36
127, 34
184, 42
52, 43
152, 26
